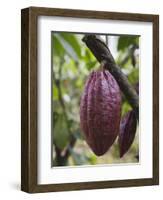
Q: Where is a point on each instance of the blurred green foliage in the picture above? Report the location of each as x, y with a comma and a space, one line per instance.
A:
72, 63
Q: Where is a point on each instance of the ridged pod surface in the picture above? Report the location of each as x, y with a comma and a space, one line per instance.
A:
127, 132
100, 111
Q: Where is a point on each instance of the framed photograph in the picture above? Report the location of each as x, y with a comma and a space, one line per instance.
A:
90, 99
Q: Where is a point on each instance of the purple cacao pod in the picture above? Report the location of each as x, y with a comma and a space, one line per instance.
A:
127, 132
100, 111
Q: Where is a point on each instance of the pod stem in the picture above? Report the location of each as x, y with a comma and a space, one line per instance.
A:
102, 53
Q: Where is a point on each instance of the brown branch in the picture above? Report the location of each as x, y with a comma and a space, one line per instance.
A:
104, 56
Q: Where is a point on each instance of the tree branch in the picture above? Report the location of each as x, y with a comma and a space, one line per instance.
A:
104, 56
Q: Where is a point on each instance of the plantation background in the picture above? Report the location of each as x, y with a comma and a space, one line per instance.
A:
72, 63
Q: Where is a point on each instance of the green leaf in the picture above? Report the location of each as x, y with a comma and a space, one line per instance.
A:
125, 108
58, 49
133, 77
61, 135
55, 93
73, 41
88, 56
92, 159
67, 47
126, 41
91, 65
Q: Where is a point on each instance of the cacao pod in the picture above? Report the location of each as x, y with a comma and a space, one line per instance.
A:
61, 136
127, 132
100, 111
